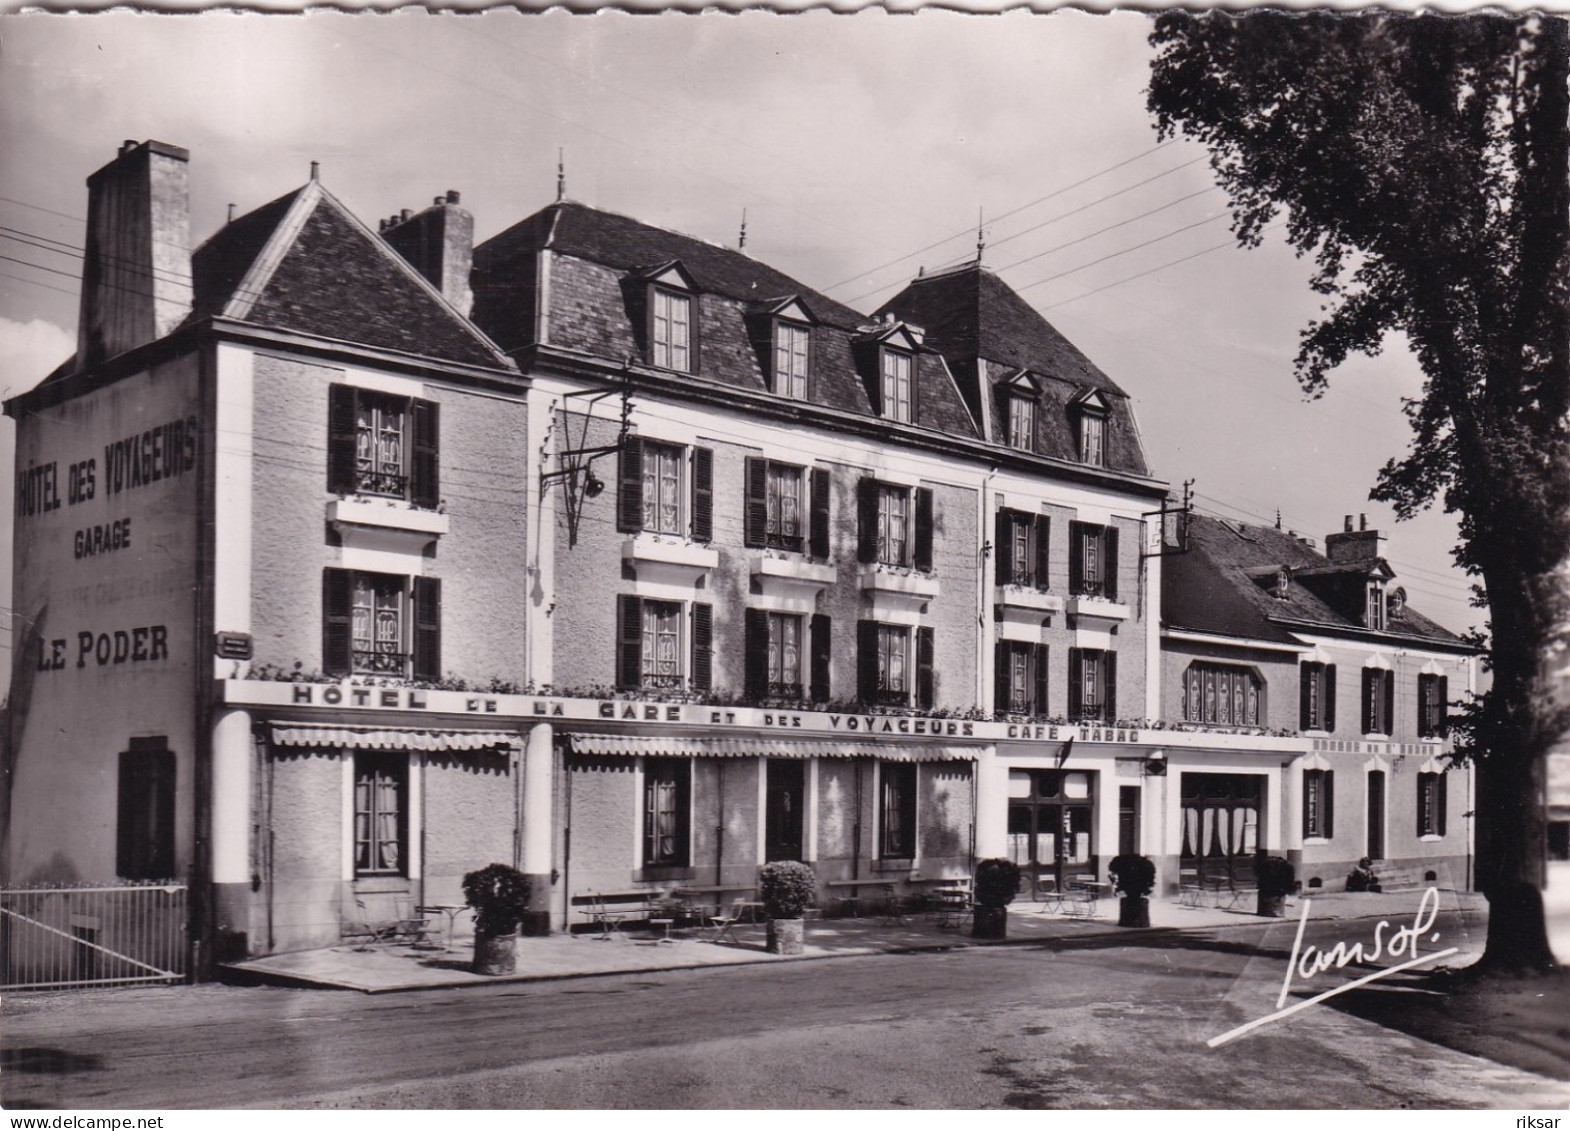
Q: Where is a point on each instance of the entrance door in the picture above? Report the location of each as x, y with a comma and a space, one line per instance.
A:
1050, 825
1221, 825
782, 824
1376, 814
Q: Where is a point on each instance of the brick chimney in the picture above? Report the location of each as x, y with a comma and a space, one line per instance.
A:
439, 244
136, 274
1360, 545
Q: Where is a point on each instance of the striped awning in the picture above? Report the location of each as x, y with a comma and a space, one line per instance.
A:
389, 738
671, 746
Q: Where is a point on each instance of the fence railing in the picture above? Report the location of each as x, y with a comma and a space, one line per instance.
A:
59, 937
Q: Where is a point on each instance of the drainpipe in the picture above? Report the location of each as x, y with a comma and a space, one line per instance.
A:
855, 859
719, 831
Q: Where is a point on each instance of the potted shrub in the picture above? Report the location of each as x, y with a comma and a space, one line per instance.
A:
787, 888
1134, 877
499, 896
1277, 879
997, 883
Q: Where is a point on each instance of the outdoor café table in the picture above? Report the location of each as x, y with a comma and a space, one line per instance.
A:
451, 910
853, 900
717, 893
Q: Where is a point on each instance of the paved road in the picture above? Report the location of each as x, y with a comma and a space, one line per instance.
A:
1103, 1025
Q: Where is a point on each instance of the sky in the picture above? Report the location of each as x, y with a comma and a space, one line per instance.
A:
860, 148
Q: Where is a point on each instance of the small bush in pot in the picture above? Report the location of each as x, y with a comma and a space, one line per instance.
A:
997, 883
1134, 877
1277, 879
499, 896
787, 888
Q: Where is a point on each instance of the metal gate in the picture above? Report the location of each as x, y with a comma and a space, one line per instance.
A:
58, 937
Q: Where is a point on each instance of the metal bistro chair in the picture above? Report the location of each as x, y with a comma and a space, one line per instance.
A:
1048, 894
726, 924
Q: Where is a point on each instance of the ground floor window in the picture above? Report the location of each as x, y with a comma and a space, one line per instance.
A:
381, 828
667, 802
897, 811
1050, 824
1431, 804
1221, 824
1318, 803
145, 834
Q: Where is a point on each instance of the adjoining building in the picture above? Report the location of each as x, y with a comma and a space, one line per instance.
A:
1264, 636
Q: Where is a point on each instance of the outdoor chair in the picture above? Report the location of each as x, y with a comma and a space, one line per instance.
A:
726, 924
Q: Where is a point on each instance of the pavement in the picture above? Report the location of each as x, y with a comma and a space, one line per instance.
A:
388, 967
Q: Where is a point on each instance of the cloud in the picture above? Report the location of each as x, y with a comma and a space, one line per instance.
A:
29, 352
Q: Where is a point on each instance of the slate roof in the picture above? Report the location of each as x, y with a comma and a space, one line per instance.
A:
1225, 586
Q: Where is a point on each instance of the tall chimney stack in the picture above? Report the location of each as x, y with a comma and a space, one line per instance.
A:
1360, 545
439, 244
136, 273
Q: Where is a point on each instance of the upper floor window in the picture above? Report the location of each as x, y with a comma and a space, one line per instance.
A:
1022, 422
1092, 438
895, 524
897, 368
1317, 696
791, 359
895, 664
1021, 677
1092, 684
380, 444
1431, 804
1319, 796
779, 513
671, 330
1222, 694
787, 655
1433, 695
1374, 610
1021, 549
1093, 560
665, 489
1379, 699
381, 624
664, 645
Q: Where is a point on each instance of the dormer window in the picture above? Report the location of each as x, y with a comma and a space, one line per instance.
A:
671, 330
1374, 613
1089, 411
1397, 603
1283, 588
1022, 422
791, 358
896, 367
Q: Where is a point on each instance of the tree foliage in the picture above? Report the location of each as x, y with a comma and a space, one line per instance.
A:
1423, 162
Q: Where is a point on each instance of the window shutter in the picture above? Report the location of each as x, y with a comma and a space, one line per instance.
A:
702, 645
1076, 683
340, 440
1305, 684
1002, 541
702, 494
1441, 802
819, 643
1109, 584
1001, 684
867, 660
425, 480
1330, 697
1039, 661
1109, 686
818, 534
427, 628
926, 678
1329, 803
1076, 557
1043, 558
757, 661
1390, 703
867, 520
921, 556
1368, 701
629, 641
1442, 708
629, 487
756, 525
337, 612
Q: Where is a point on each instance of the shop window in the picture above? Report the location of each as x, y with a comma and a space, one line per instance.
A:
1433, 694
667, 804
1021, 548
1021, 674
1093, 560
1092, 683
665, 489
895, 525
382, 445
1317, 697
897, 811
664, 645
1431, 804
1222, 695
381, 821
145, 832
1379, 698
381, 624
1319, 803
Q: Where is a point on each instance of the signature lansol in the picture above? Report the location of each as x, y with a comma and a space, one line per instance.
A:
1310, 961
